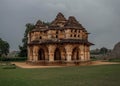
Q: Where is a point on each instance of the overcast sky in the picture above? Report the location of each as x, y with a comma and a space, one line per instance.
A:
100, 17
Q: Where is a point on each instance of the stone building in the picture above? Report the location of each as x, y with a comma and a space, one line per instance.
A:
64, 41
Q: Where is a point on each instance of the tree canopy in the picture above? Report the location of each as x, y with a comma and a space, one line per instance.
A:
4, 47
103, 50
23, 48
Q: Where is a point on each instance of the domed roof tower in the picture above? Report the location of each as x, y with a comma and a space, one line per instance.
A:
60, 20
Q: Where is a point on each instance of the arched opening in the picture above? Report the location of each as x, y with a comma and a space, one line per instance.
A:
40, 37
75, 54
41, 54
57, 54
75, 35
56, 36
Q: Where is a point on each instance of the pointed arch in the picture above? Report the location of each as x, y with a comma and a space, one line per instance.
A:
57, 54
75, 54
41, 54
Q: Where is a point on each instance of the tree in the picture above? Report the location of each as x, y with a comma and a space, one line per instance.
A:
103, 50
4, 47
23, 48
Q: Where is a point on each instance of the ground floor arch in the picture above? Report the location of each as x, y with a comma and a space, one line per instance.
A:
75, 54
57, 54
41, 54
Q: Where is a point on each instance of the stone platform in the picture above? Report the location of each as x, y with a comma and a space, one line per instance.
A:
59, 63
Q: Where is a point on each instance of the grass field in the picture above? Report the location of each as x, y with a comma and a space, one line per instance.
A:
114, 60
104, 75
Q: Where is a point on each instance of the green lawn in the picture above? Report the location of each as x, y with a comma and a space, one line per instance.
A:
105, 75
114, 60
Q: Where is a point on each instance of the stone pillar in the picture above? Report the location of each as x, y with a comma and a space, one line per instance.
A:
68, 52
35, 53
51, 49
85, 53
62, 55
67, 33
82, 56
49, 34
46, 55
79, 53
82, 53
88, 53
85, 56
30, 53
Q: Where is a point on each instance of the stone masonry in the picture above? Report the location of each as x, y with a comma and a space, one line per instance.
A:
63, 41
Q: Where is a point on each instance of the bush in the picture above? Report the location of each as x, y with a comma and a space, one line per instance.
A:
13, 59
93, 58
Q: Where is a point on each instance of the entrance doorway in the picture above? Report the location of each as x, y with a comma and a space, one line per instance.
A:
57, 54
75, 54
41, 55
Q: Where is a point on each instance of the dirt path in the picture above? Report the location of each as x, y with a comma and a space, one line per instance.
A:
103, 63
24, 65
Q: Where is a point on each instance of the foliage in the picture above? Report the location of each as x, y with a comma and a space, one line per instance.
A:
4, 47
13, 59
23, 48
95, 52
103, 50
104, 75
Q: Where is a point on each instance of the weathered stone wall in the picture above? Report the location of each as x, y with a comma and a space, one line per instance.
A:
76, 49
68, 52
60, 34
